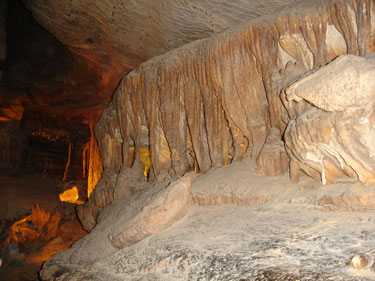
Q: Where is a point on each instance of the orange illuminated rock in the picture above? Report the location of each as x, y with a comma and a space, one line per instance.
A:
70, 196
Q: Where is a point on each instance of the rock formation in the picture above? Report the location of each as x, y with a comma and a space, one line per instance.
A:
222, 93
336, 137
214, 101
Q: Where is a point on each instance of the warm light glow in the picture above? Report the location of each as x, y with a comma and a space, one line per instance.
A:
30, 227
46, 252
145, 157
19, 232
68, 163
48, 234
51, 135
70, 196
95, 167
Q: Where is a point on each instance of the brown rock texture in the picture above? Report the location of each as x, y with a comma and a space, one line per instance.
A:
213, 101
161, 211
107, 39
216, 99
272, 160
338, 139
99, 198
128, 33
171, 254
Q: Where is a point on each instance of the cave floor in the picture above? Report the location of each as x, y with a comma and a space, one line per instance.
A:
249, 243
244, 227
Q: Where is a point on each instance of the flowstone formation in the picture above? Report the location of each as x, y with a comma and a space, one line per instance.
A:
269, 90
214, 101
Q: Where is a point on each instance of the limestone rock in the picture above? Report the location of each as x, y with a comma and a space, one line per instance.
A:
345, 83
330, 145
225, 94
336, 138
272, 160
128, 34
164, 209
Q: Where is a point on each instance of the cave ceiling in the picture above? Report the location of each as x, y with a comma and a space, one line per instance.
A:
104, 40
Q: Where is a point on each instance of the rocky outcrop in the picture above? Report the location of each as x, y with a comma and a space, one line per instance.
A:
344, 84
99, 198
337, 138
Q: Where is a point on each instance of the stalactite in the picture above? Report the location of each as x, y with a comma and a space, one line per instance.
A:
95, 168
68, 163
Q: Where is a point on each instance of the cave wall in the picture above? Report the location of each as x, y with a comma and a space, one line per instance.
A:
38, 75
50, 141
215, 100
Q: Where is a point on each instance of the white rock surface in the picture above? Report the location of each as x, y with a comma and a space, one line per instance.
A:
287, 235
346, 82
